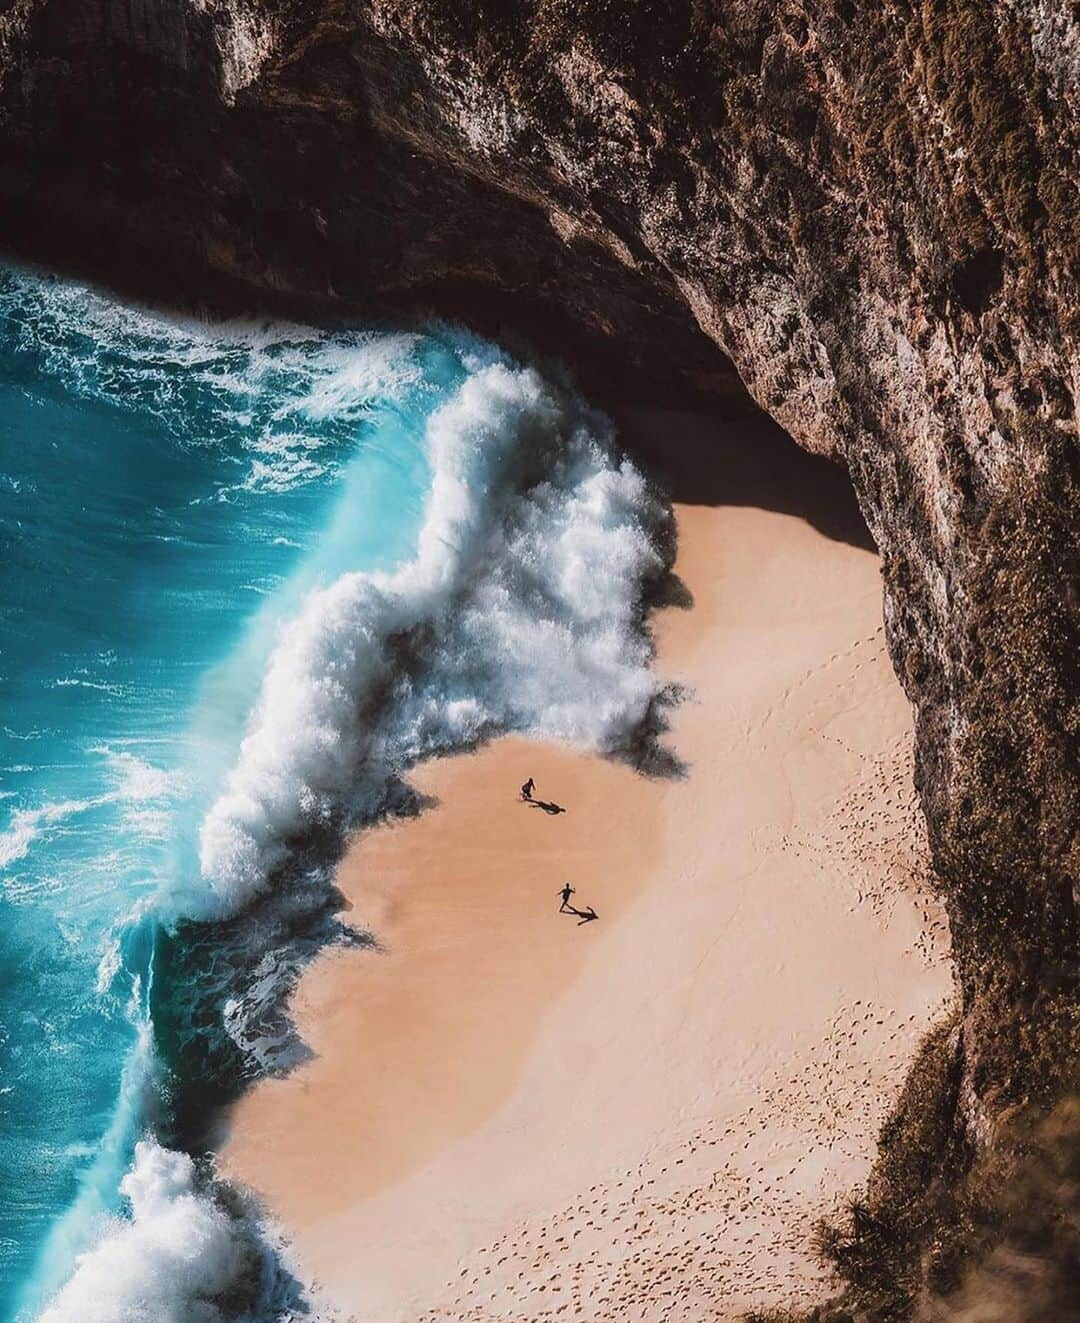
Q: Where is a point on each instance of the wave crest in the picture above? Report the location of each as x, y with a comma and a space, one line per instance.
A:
175, 1261
522, 609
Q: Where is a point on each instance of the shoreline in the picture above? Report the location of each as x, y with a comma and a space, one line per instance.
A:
508, 1116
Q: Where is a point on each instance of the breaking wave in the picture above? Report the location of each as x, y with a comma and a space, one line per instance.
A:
512, 599
181, 1257
522, 609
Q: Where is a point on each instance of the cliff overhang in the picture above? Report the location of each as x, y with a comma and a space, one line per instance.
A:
864, 216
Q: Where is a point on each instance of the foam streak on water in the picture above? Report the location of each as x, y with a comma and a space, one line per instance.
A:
251, 576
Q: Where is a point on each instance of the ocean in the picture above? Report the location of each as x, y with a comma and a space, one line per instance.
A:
251, 574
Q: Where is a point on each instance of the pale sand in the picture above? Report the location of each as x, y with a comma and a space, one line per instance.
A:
513, 1117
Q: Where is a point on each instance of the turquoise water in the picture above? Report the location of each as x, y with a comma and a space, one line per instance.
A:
250, 575
161, 488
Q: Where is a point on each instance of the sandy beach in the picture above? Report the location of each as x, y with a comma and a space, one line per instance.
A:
512, 1116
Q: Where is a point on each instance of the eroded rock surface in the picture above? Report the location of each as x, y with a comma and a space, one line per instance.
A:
870, 210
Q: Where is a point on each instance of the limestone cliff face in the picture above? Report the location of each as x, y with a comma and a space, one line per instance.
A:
870, 210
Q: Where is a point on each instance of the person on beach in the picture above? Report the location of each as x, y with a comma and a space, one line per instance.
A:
586, 916
566, 892
528, 788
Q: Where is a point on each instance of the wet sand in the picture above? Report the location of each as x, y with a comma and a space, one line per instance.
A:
510, 1116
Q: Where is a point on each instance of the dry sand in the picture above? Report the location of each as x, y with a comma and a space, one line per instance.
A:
512, 1117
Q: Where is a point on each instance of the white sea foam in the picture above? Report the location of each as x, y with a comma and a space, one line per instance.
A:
73, 682
292, 390
144, 793
140, 791
27, 825
137, 778
177, 1255
520, 610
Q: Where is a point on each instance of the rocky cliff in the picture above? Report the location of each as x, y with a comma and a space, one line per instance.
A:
868, 212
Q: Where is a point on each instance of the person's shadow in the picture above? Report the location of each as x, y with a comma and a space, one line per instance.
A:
583, 916
549, 806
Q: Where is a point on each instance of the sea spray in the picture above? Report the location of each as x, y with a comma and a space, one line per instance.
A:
181, 1257
522, 610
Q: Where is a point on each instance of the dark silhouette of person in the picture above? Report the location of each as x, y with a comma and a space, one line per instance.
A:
528, 788
586, 916
566, 892
549, 806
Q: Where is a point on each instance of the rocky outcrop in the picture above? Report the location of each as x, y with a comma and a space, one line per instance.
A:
871, 211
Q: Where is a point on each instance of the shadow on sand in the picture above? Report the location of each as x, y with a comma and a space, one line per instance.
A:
743, 460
